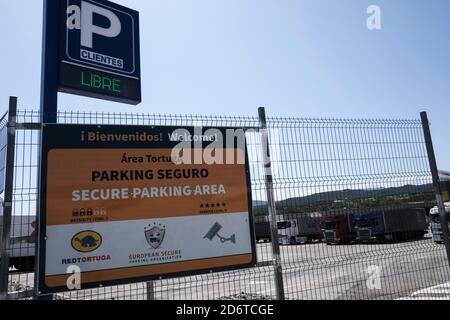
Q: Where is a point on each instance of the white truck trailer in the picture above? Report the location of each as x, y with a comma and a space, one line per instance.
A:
297, 228
22, 246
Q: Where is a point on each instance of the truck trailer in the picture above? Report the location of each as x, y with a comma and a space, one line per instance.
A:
337, 229
22, 246
436, 228
294, 228
262, 229
389, 225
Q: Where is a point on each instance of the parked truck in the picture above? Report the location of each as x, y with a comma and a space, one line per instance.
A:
436, 228
291, 228
262, 229
22, 244
337, 229
297, 228
389, 225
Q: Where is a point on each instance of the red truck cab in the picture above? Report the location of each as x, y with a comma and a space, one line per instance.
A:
336, 229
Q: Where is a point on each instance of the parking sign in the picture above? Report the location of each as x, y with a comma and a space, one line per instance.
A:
99, 51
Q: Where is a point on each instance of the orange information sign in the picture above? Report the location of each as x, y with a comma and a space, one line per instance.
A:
127, 204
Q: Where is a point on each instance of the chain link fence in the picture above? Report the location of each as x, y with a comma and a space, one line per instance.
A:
352, 199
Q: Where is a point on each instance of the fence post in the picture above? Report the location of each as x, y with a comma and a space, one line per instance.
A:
8, 198
436, 182
49, 73
150, 290
271, 204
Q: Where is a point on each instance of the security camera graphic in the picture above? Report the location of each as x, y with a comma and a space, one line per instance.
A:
214, 231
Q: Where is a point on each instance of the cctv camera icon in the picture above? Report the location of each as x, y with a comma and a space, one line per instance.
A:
214, 231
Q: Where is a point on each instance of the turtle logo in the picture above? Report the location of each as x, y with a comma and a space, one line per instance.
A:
86, 241
154, 234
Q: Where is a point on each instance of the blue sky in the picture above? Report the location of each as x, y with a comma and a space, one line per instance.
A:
306, 58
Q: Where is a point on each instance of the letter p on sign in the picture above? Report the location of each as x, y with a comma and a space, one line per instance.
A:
88, 29
100, 38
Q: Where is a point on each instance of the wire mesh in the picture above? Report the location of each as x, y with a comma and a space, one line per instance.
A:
353, 198
363, 188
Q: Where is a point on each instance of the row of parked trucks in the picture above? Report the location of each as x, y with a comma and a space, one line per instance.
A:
376, 226
333, 228
345, 228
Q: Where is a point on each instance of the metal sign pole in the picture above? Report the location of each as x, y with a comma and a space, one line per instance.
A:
436, 183
49, 89
8, 201
271, 204
50, 55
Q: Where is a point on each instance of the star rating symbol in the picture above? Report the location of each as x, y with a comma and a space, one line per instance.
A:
154, 225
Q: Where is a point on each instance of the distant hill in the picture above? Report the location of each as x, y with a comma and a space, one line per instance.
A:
352, 199
349, 194
258, 203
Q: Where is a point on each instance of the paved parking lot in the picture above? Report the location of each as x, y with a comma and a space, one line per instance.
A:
310, 271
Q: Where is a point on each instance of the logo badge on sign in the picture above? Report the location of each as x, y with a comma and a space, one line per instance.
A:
155, 235
86, 241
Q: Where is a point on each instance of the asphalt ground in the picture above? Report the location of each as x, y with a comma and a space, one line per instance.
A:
310, 271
